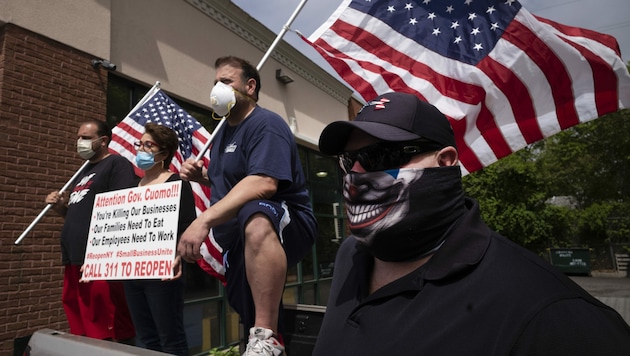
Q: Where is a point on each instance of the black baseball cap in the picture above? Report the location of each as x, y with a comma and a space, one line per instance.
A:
391, 117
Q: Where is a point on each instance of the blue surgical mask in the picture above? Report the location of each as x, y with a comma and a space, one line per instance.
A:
145, 160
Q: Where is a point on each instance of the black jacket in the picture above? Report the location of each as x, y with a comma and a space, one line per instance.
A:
479, 295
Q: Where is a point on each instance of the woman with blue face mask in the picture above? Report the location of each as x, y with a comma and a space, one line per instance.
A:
148, 153
156, 306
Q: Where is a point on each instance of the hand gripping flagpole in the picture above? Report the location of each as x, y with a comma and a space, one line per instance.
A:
50, 205
273, 45
76, 174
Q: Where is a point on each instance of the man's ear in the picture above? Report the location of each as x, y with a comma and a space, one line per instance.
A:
448, 157
251, 87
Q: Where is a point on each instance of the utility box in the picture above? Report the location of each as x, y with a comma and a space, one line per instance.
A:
302, 323
573, 261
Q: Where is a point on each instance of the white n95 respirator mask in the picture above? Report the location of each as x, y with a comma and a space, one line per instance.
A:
222, 99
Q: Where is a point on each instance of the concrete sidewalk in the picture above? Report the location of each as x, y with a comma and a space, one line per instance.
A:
613, 291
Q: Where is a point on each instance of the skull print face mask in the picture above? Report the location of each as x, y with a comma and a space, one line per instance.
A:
403, 214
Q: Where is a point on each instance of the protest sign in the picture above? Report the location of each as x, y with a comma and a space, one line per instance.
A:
133, 233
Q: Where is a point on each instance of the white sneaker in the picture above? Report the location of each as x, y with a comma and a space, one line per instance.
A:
263, 343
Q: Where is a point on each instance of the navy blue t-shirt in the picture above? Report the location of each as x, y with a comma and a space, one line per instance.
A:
261, 144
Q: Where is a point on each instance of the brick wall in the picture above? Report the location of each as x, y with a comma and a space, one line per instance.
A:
46, 90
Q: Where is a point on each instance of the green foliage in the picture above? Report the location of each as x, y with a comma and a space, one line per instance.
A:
512, 196
608, 221
590, 161
589, 164
230, 351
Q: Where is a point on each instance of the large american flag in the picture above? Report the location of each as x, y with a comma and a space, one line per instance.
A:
159, 108
504, 77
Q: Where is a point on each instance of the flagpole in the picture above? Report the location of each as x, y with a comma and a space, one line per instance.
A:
273, 45
63, 189
45, 210
285, 28
151, 91
210, 139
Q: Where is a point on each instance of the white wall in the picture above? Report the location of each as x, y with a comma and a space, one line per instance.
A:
177, 41
84, 25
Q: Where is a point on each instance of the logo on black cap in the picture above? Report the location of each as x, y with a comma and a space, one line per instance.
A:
378, 104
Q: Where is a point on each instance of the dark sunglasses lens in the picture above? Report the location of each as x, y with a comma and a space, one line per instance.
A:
371, 158
378, 157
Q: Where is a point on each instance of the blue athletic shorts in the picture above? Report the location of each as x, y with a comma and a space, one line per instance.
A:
297, 234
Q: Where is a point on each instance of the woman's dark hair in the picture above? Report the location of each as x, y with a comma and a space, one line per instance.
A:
165, 138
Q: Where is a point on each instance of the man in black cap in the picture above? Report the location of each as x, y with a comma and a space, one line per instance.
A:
422, 274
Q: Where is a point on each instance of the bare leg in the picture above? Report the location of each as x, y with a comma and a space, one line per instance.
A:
266, 269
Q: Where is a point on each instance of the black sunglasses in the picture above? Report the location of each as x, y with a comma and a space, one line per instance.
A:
385, 155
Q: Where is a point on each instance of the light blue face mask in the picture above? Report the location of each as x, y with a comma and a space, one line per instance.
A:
145, 160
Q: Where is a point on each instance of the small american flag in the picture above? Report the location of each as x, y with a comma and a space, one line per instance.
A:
504, 77
159, 108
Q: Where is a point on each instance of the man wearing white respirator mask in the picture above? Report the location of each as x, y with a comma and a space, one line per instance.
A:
261, 213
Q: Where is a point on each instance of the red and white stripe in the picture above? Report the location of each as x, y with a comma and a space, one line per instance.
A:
539, 79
